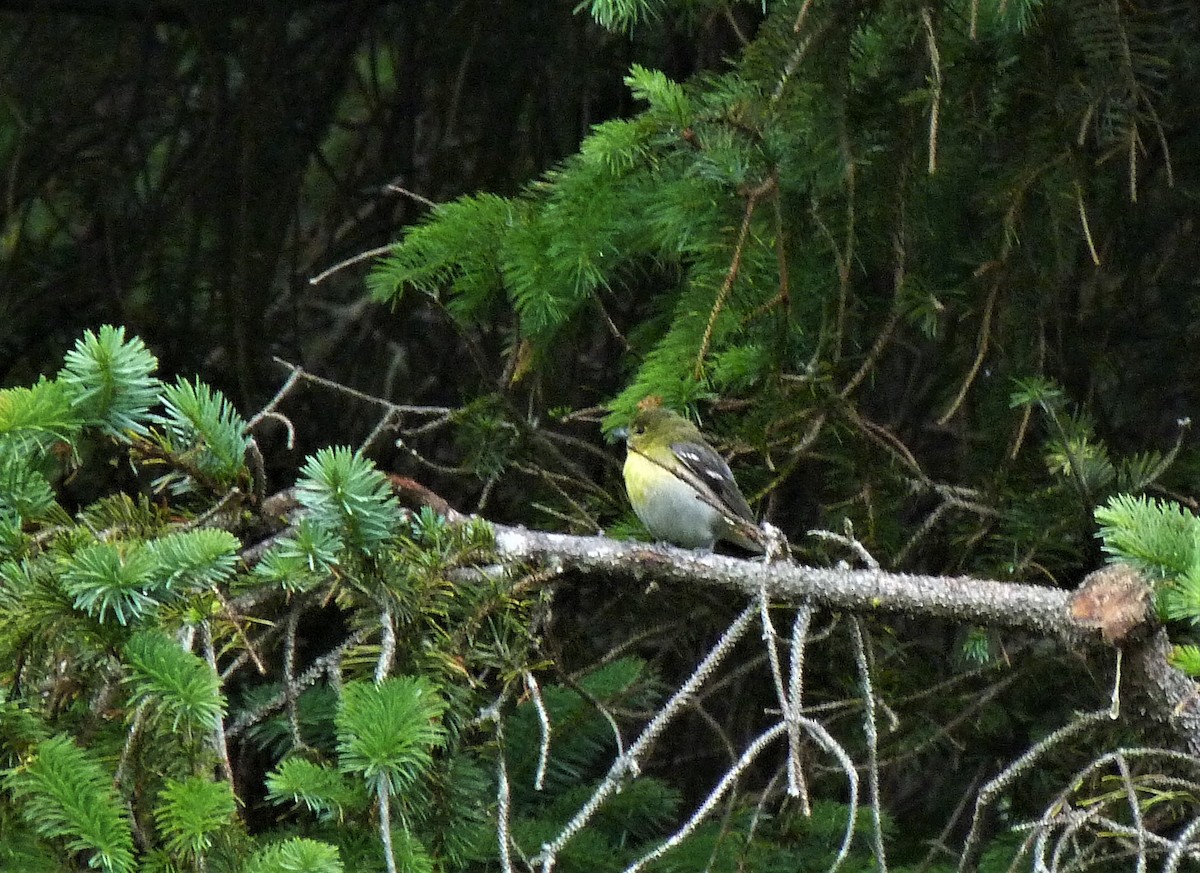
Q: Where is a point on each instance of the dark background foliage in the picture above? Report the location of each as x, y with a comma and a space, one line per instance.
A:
186, 170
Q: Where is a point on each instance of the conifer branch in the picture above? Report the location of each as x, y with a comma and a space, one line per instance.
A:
999, 604
799, 52
327, 664
248, 646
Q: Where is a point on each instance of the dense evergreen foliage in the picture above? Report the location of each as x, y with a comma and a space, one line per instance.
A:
926, 271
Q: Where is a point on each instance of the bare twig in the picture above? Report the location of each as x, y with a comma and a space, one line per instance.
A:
731, 275
385, 823
797, 786
628, 764
1014, 771
731, 776
1087, 228
935, 101
402, 408
350, 262
503, 802
535, 692
981, 348
387, 645
862, 661
219, 743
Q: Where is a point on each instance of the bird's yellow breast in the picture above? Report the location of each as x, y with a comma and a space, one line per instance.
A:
639, 474
668, 506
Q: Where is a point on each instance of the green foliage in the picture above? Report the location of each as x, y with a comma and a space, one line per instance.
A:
976, 646
134, 517
106, 578
176, 684
24, 491
297, 855
1180, 599
110, 381
1073, 450
1159, 537
620, 15
191, 811
667, 99
1187, 659
129, 580
848, 239
387, 732
201, 428
106, 384
20, 730
302, 560
315, 709
458, 816
488, 439
33, 419
22, 851
410, 853
433, 260
194, 559
322, 789
64, 795
1162, 540
345, 493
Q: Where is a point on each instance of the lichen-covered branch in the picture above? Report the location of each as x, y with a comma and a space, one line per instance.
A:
1040, 609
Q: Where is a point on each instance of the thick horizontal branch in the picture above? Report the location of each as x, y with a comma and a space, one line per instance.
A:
1042, 610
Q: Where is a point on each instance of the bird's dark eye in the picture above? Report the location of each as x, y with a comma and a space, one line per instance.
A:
639, 429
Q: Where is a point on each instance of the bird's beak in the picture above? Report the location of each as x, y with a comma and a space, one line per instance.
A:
619, 433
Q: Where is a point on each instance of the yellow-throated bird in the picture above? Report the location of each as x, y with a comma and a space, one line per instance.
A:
681, 489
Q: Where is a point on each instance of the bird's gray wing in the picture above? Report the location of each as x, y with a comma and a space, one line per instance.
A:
709, 474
